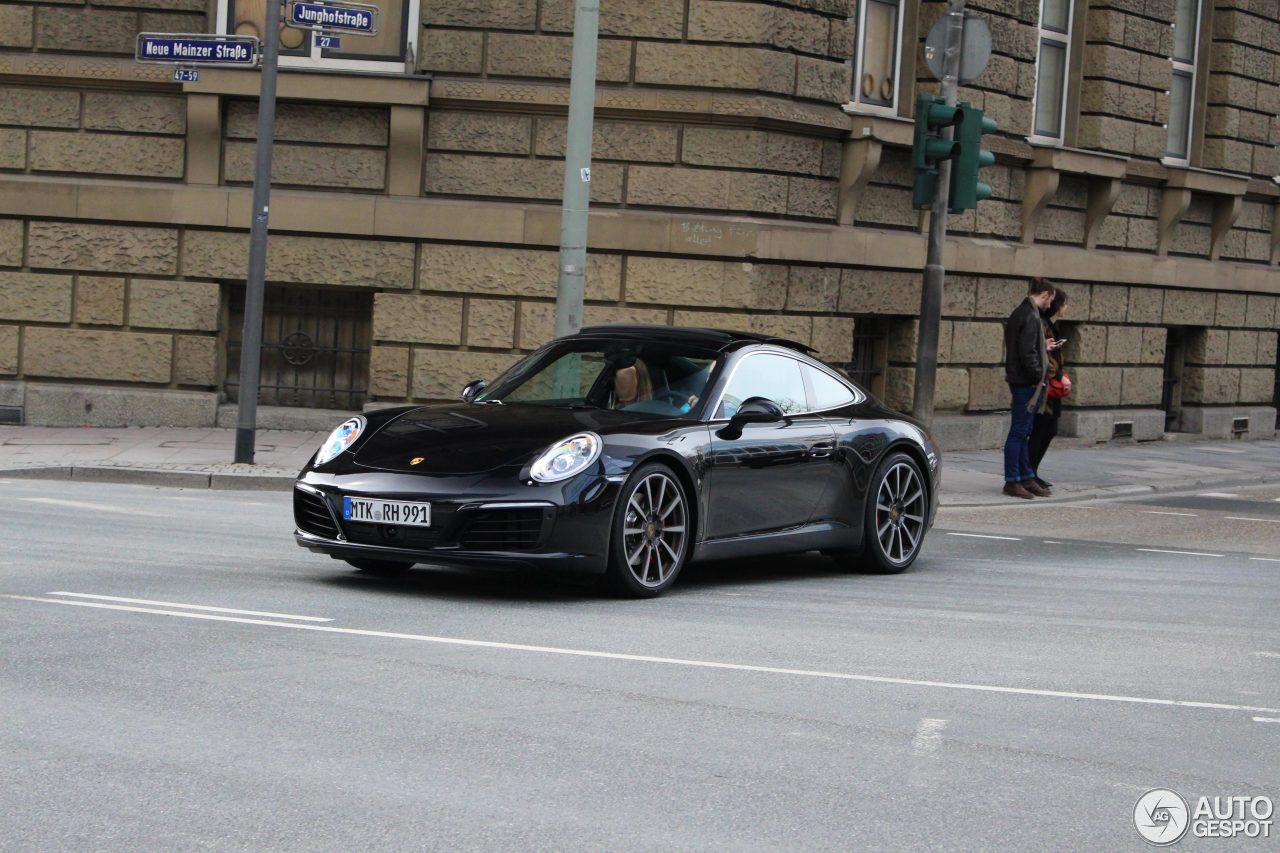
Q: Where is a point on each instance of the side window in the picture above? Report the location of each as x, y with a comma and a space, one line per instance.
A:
772, 376
828, 392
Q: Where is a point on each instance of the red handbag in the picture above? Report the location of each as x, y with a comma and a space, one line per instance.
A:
1060, 386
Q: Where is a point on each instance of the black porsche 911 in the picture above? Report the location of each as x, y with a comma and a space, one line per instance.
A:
627, 451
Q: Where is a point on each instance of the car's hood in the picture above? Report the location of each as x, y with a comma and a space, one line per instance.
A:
451, 438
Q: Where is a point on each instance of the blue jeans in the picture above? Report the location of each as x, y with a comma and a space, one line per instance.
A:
1017, 447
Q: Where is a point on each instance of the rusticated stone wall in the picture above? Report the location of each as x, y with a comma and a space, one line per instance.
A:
1241, 124
99, 28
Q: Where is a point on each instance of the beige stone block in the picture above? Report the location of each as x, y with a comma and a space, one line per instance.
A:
98, 354
600, 315
10, 243
517, 55
882, 205
951, 389
899, 388
689, 188
813, 289
453, 51
1142, 386
514, 177
171, 20
491, 323
1257, 386
417, 318
35, 298
604, 277
875, 291
156, 114
832, 339
305, 122
174, 305
1146, 305
959, 296
99, 301
757, 193
661, 19
441, 374
743, 23
1060, 225
1190, 239
9, 337
1260, 311
310, 166
13, 148
632, 141
904, 340
1230, 309
107, 154
1108, 303
1242, 347
1207, 346
1087, 344
988, 390
389, 372
496, 14
1153, 345
16, 28
1188, 307
104, 248
823, 80
195, 360
1210, 384
811, 197
86, 30
302, 260
1096, 386
1266, 348
725, 320
488, 270
997, 297
537, 324
675, 281
977, 343
32, 106
492, 133
1124, 345
758, 286
715, 67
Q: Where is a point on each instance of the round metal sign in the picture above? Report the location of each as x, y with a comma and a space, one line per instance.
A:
975, 49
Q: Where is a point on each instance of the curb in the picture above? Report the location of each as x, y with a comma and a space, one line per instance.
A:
154, 477
1118, 492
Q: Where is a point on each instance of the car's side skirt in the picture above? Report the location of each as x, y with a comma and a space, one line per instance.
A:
807, 537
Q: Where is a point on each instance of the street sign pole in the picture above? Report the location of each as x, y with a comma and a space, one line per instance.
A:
255, 286
934, 272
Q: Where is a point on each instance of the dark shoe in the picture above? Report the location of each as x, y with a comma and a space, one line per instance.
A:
1015, 490
1036, 489
1044, 484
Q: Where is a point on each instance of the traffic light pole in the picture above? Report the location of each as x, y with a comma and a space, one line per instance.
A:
934, 272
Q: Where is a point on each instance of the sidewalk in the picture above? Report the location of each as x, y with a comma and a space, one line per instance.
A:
201, 458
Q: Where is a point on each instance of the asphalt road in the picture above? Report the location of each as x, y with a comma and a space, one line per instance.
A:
1007, 693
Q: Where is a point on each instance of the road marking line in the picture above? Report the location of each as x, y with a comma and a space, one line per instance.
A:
191, 606
1217, 495
1158, 512
97, 507
1267, 654
700, 664
1265, 559
1220, 450
1266, 719
1243, 518
1183, 553
985, 536
1052, 542
928, 734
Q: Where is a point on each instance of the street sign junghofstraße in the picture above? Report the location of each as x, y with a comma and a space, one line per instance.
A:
198, 49
356, 19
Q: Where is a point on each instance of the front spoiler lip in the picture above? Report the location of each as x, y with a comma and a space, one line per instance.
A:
342, 550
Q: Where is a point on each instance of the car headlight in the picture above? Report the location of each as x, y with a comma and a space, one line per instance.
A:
340, 439
566, 458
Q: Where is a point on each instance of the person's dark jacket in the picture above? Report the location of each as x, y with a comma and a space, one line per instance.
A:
1023, 343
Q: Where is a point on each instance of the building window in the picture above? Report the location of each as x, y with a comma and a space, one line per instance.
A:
1186, 45
1051, 69
877, 55
389, 50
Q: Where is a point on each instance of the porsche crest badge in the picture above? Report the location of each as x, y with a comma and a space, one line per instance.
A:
416, 460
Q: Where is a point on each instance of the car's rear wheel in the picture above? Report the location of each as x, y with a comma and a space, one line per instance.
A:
651, 533
385, 568
895, 518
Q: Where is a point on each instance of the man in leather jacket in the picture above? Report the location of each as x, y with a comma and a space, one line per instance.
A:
1025, 365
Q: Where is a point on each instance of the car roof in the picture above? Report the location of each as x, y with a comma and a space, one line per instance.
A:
716, 339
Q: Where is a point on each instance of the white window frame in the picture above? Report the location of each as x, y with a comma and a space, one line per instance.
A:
1183, 68
855, 104
317, 61
1058, 37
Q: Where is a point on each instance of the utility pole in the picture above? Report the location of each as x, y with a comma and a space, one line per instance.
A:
255, 285
571, 287
934, 273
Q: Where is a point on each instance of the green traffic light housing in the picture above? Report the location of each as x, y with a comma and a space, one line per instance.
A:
966, 189
929, 147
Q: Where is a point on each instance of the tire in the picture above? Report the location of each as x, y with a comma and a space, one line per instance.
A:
382, 568
894, 519
651, 535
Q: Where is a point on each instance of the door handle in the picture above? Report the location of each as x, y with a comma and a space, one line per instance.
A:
821, 450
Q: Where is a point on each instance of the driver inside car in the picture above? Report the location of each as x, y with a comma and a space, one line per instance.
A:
631, 384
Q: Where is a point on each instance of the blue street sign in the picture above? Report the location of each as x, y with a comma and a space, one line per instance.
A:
200, 49
185, 75
355, 18
329, 42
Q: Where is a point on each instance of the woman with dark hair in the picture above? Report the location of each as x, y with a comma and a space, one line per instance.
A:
1045, 425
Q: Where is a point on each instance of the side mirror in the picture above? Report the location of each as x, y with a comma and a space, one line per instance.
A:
754, 410
472, 390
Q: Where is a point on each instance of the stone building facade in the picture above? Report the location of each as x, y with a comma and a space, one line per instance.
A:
751, 170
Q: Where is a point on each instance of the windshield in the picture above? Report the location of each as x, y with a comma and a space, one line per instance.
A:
658, 378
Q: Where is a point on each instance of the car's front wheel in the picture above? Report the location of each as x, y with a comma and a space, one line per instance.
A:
651, 533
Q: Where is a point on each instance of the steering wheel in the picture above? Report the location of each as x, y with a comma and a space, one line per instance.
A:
672, 398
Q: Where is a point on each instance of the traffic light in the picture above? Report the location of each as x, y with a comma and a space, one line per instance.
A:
966, 189
930, 149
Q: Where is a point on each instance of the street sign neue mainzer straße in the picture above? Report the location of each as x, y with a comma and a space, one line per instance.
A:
198, 49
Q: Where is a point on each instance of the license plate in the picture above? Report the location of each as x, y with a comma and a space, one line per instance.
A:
386, 512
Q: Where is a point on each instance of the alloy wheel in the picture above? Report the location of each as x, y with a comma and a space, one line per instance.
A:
900, 513
654, 529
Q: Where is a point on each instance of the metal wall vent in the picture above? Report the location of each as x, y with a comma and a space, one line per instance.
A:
1239, 425
1122, 429
11, 415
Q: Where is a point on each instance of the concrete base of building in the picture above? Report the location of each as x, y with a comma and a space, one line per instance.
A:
1247, 422
1101, 425
42, 404
285, 417
970, 432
